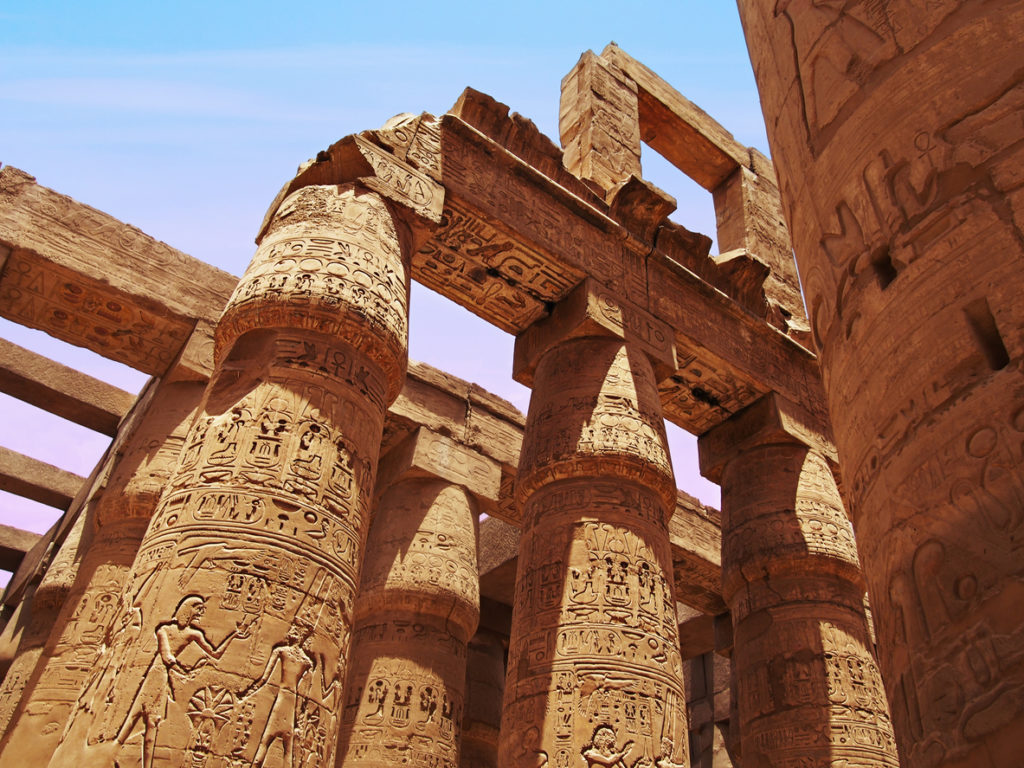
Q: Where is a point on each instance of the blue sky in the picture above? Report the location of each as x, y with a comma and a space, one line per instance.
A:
185, 118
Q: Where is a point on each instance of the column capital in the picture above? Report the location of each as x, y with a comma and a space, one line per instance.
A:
771, 420
429, 454
592, 309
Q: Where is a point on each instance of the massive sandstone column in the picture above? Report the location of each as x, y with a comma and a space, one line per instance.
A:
594, 673
418, 606
808, 690
116, 522
895, 128
239, 604
485, 687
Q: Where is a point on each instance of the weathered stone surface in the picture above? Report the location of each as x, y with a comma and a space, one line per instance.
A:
418, 606
116, 521
89, 279
807, 687
594, 667
24, 476
485, 686
264, 519
14, 543
896, 136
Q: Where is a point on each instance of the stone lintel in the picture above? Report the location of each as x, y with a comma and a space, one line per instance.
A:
723, 634
696, 636
14, 544
426, 453
93, 281
539, 231
591, 309
355, 158
695, 532
24, 476
677, 128
61, 390
195, 361
772, 419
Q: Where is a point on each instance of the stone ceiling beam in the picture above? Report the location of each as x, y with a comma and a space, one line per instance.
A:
62, 391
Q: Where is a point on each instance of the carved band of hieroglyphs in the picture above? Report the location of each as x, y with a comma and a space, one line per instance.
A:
489, 270
347, 278
397, 181
54, 300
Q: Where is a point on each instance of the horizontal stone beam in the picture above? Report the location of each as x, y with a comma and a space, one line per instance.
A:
93, 281
14, 543
695, 532
37, 480
524, 241
60, 390
678, 129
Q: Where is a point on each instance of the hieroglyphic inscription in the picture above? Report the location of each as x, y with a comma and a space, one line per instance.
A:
488, 271
533, 208
54, 299
807, 685
593, 656
420, 586
261, 529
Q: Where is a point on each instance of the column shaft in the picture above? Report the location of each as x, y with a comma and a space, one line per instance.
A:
808, 690
895, 129
594, 666
485, 687
418, 605
239, 605
118, 519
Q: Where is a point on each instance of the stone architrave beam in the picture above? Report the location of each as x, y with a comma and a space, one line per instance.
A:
88, 279
677, 128
14, 543
517, 232
24, 476
63, 391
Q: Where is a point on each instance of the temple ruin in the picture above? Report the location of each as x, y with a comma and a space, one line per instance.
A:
302, 549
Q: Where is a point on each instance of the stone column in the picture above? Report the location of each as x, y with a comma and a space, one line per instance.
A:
895, 129
485, 687
116, 520
41, 608
808, 691
594, 670
418, 605
232, 646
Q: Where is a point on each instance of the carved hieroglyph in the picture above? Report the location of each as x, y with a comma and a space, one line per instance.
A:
807, 686
418, 605
895, 128
231, 647
117, 519
594, 671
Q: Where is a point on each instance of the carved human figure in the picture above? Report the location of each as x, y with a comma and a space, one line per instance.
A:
248, 520
292, 660
602, 749
529, 754
157, 688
